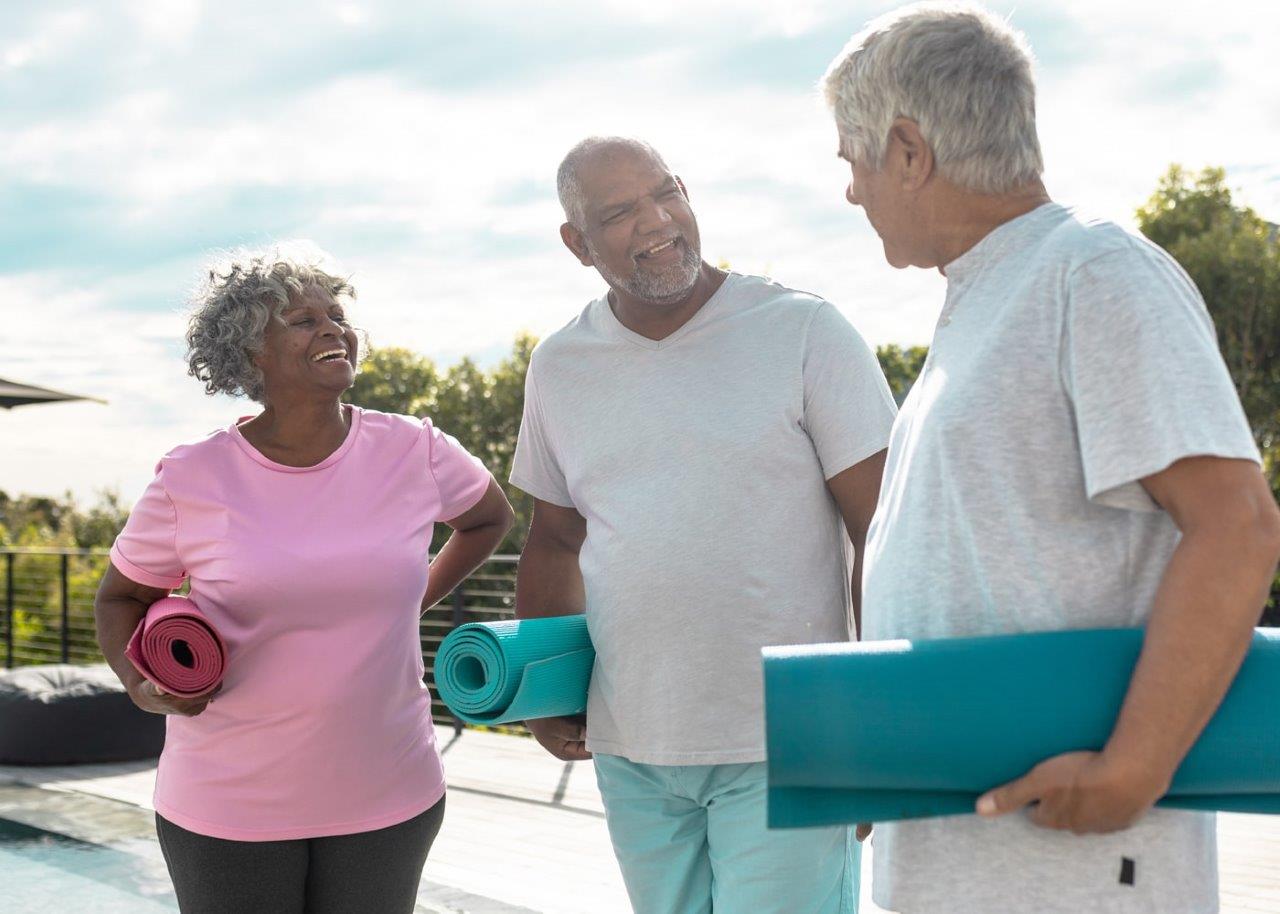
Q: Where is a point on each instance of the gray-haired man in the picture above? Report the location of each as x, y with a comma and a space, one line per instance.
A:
702, 446
1073, 455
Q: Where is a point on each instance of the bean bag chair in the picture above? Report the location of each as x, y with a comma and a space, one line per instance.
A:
59, 714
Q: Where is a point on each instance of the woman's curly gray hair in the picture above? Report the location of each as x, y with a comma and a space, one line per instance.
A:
233, 305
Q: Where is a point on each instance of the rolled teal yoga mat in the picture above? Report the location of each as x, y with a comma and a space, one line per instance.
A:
889, 730
501, 672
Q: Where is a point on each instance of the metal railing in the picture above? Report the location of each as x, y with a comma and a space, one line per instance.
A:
48, 608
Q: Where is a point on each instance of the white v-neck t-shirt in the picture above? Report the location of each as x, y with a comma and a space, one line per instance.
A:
699, 462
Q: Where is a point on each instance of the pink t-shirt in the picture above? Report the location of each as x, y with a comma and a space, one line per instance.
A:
314, 576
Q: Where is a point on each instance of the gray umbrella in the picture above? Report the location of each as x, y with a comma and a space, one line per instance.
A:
14, 394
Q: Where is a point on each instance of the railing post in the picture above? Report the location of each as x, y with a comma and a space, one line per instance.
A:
66, 612
459, 605
9, 614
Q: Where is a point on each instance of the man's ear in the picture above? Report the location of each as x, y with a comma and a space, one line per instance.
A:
576, 243
911, 153
680, 184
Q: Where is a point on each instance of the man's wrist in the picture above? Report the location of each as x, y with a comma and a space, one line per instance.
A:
1137, 773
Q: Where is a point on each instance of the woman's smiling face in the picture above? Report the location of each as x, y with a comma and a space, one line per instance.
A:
309, 345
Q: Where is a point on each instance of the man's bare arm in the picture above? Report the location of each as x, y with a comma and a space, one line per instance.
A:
1199, 630
549, 583
856, 491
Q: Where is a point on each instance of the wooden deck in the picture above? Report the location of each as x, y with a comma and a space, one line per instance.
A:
523, 832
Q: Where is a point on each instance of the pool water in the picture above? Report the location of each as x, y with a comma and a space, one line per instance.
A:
45, 873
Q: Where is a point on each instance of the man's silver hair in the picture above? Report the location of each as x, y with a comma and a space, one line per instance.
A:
956, 70
569, 187
240, 294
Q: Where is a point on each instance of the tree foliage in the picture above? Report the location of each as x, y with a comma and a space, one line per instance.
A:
901, 367
39, 521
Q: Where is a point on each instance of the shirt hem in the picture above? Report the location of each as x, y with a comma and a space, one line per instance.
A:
231, 833
1105, 491
537, 491
854, 458
646, 757
471, 499
141, 575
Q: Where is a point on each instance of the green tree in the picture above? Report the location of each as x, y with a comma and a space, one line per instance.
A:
42, 523
1233, 256
901, 367
100, 524
482, 409
395, 380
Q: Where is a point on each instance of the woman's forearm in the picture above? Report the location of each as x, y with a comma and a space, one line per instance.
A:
463, 553
118, 607
116, 619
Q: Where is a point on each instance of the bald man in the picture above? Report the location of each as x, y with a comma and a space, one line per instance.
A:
704, 450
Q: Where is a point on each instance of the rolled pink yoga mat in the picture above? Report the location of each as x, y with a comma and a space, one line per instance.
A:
178, 649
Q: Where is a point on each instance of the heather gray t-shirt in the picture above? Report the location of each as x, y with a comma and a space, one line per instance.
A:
1071, 360
699, 462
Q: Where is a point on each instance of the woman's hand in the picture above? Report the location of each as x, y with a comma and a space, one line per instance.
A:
150, 697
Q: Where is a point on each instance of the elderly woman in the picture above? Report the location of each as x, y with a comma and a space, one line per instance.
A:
311, 781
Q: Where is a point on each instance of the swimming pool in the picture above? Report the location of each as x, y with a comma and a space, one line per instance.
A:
46, 873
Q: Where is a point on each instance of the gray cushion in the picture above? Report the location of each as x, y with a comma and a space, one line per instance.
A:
60, 714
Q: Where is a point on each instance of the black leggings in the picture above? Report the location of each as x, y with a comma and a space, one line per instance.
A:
375, 871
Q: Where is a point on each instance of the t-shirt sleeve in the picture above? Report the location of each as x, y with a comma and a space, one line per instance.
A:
461, 478
535, 467
1147, 383
848, 407
146, 550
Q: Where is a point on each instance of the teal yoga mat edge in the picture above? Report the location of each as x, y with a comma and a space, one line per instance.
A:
805, 807
809, 807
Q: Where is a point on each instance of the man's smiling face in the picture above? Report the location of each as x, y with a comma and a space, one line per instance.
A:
639, 229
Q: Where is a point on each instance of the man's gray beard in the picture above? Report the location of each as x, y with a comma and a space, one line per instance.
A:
660, 287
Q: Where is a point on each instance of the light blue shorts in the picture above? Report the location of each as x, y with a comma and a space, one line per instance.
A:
691, 839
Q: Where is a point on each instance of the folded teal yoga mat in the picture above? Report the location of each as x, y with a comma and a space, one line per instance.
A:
898, 730
501, 672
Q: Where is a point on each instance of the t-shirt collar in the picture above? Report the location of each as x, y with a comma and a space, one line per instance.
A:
238, 437
997, 243
618, 330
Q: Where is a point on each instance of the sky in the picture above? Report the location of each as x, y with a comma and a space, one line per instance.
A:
417, 143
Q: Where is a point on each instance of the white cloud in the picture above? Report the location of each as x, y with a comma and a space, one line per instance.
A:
52, 36
166, 22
